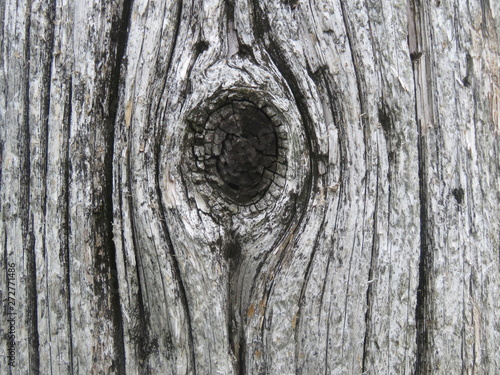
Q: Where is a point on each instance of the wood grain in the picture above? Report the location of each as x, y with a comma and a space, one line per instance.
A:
251, 186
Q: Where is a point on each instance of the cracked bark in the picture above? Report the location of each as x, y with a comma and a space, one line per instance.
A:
251, 187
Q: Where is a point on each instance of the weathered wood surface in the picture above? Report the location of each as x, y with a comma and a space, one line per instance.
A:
375, 248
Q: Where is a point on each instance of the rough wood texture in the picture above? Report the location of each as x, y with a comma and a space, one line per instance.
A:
250, 186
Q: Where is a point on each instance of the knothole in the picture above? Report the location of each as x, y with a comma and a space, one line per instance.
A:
237, 147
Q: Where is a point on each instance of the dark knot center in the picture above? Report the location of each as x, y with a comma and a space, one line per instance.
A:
245, 149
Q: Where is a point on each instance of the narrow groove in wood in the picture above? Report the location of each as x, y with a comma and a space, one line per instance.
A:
180, 4
26, 217
140, 329
44, 143
47, 84
423, 292
370, 292
416, 43
119, 38
66, 231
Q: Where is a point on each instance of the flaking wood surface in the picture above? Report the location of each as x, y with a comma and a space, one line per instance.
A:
370, 243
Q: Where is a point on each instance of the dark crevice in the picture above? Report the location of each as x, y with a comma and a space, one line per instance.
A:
65, 230
327, 350
469, 71
458, 194
242, 355
342, 148
416, 44
246, 51
308, 273
293, 4
236, 330
424, 265
46, 80
385, 120
286, 72
415, 56
199, 47
24, 204
107, 261
423, 292
386, 123
46, 57
370, 292
140, 332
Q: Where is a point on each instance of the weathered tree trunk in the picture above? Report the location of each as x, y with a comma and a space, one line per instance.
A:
250, 187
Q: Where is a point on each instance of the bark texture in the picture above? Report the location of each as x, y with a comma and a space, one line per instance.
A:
250, 186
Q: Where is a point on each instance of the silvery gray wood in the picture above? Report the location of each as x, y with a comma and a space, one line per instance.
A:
375, 249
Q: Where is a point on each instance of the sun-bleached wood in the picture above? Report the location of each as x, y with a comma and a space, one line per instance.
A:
371, 246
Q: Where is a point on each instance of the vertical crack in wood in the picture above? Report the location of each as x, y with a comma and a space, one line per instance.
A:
65, 235
302, 106
236, 326
47, 56
119, 37
423, 292
417, 42
139, 331
46, 80
231, 32
24, 203
173, 46
370, 290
